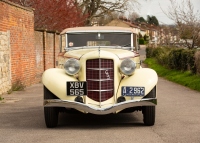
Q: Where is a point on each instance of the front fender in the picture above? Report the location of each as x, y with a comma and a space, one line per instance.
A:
143, 77
55, 79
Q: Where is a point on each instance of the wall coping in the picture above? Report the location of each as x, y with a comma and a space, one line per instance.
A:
17, 5
46, 30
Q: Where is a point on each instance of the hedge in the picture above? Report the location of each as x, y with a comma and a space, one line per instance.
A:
197, 61
141, 41
174, 58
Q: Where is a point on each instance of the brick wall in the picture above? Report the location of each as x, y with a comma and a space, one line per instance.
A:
31, 52
57, 47
47, 50
39, 54
20, 22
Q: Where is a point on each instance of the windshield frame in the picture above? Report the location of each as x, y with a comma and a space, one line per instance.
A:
95, 31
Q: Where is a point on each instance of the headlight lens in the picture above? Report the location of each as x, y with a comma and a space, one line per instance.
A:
127, 67
72, 66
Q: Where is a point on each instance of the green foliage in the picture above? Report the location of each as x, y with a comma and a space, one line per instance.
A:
152, 20
140, 19
197, 61
149, 52
146, 42
173, 58
141, 41
182, 59
156, 52
184, 78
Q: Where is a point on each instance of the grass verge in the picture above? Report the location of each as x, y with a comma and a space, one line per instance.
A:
184, 78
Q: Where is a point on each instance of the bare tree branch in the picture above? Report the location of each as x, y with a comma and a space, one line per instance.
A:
100, 8
187, 21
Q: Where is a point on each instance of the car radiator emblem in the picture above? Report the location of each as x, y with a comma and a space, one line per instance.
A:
107, 74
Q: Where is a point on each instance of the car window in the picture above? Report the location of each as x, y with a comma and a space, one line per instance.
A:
98, 39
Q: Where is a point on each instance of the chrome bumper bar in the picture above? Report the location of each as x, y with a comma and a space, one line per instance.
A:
99, 111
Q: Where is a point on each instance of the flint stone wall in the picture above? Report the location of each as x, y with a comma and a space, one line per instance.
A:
5, 72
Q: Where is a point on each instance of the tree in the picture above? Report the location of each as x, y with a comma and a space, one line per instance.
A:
140, 19
152, 20
54, 14
169, 31
187, 21
100, 8
140, 35
107, 18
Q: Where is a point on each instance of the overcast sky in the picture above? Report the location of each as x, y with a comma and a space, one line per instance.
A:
152, 7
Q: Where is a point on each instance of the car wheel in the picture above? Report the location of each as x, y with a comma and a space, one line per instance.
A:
149, 111
50, 113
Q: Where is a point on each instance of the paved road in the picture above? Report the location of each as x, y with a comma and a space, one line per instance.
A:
177, 120
142, 52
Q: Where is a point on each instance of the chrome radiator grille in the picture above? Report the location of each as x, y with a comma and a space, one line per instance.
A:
100, 79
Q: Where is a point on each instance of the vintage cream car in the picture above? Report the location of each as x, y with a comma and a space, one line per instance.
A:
99, 72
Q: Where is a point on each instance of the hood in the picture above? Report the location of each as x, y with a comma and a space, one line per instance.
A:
120, 53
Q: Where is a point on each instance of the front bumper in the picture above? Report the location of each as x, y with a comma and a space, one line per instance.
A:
100, 111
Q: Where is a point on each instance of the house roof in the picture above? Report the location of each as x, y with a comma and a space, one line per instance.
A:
122, 23
131, 24
127, 23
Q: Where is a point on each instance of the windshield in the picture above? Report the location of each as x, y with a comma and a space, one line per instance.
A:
99, 39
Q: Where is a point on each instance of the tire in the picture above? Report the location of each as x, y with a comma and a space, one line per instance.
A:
50, 113
149, 111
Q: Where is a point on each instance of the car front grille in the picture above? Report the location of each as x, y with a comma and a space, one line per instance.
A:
100, 79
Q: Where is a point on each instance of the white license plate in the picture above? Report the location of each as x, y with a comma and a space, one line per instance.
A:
132, 91
76, 88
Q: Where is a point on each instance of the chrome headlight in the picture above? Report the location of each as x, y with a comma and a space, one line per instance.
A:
72, 66
127, 66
